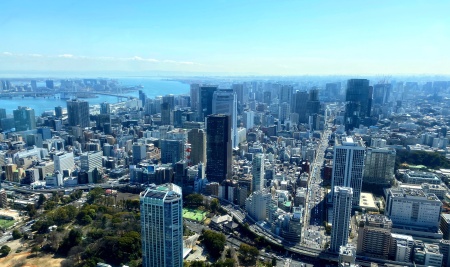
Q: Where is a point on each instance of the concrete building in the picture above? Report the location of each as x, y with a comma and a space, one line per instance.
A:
379, 166
401, 247
444, 225
63, 161
197, 139
342, 207
139, 152
258, 172
444, 248
413, 207
3, 199
257, 205
162, 226
91, 160
374, 236
419, 177
348, 166
347, 256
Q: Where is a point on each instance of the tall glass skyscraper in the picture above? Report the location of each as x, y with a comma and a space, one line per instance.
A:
218, 147
342, 208
78, 113
24, 119
359, 102
162, 226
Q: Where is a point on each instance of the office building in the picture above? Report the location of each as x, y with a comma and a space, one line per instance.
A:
24, 119
381, 93
105, 108
444, 225
401, 247
162, 226
197, 139
194, 94
347, 256
257, 204
444, 248
63, 161
413, 207
78, 113
91, 160
374, 236
258, 172
427, 254
205, 101
348, 165
218, 148
342, 208
172, 151
300, 106
225, 102
139, 152
379, 166
359, 103
419, 177
167, 107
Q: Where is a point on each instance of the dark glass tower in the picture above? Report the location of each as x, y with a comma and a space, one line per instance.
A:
218, 147
205, 101
359, 102
78, 113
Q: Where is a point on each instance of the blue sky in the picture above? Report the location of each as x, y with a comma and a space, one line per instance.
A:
283, 37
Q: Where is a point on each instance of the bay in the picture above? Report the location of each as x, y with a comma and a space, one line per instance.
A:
152, 87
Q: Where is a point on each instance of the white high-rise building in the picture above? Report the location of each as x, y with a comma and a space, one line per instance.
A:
413, 207
63, 161
258, 172
348, 165
225, 102
342, 208
249, 119
162, 226
257, 204
91, 160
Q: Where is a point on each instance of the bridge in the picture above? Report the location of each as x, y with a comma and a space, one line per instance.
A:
49, 94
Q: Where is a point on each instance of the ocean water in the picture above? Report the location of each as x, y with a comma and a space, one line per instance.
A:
152, 87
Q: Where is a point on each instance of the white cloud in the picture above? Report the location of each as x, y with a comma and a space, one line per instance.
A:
7, 54
35, 55
66, 56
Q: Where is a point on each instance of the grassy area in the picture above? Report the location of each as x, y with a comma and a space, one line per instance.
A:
6, 223
193, 214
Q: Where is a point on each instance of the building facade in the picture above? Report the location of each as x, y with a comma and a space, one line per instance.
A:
218, 148
162, 226
342, 208
348, 165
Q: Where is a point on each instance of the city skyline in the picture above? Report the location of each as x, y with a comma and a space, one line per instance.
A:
227, 38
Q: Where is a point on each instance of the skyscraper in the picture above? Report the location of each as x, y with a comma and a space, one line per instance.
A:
218, 147
348, 165
205, 101
379, 166
24, 119
171, 151
194, 93
300, 106
225, 102
342, 207
167, 107
162, 226
359, 102
78, 113
258, 172
105, 108
197, 139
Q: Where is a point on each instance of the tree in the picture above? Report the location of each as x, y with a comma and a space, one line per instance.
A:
215, 205
41, 200
248, 254
94, 195
4, 251
31, 210
214, 242
194, 200
35, 249
16, 234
